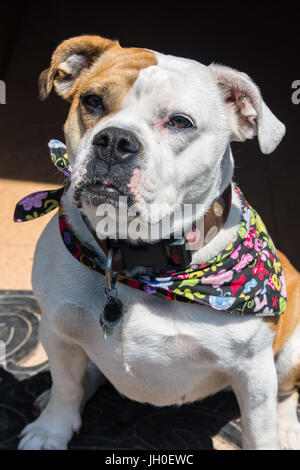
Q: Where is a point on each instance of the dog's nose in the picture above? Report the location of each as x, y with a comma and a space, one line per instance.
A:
116, 143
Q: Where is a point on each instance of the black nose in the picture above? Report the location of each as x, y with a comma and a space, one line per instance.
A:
116, 143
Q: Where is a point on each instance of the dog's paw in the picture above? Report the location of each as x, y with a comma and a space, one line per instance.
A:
289, 435
47, 433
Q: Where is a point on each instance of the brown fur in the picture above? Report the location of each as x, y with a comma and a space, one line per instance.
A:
90, 47
286, 324
107, 70
111, 77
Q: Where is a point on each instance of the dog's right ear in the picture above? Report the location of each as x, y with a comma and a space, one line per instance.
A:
71, 58
247, 112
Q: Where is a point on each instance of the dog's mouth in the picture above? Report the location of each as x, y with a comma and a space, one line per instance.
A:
100, 191
104, 186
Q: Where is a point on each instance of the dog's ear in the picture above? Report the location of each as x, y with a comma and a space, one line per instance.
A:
71, 58
247, 112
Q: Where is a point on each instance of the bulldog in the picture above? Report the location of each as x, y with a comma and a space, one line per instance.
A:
156, 130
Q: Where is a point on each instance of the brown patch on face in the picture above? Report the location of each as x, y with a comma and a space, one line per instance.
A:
95, 65
111, 77
92, 64
286, 324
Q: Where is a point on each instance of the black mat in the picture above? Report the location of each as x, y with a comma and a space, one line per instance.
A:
110, 421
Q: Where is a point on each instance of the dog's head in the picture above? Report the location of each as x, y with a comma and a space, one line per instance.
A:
152, 127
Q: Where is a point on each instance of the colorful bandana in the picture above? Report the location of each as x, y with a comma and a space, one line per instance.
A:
41, 202
246, 278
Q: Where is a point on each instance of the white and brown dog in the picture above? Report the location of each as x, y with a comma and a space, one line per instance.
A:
178, 117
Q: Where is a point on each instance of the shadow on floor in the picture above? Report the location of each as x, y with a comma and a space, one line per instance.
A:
110, 421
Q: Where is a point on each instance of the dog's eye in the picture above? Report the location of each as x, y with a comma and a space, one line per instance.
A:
181, 122
93, 103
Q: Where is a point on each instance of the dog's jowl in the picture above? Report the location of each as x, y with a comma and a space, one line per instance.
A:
148, 134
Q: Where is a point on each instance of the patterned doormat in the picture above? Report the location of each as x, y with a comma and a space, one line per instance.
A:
110, 421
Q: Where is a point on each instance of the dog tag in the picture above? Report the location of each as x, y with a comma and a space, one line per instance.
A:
112, 313
111, 316
113, 310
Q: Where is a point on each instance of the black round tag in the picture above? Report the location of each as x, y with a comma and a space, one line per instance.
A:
112, 313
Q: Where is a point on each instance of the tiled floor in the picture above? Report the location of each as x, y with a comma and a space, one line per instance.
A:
18, 240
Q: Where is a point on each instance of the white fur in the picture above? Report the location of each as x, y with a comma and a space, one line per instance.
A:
163, 353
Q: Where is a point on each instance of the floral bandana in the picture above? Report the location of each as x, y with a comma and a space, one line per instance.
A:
246, 278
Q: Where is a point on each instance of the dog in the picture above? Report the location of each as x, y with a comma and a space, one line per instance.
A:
156, 128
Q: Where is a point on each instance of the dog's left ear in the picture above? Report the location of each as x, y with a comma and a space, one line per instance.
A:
70, 59
247, 112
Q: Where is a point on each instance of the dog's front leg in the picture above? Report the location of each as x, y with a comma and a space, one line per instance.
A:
255, 385
54, 428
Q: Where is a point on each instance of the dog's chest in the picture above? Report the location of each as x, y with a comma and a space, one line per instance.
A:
159, 354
